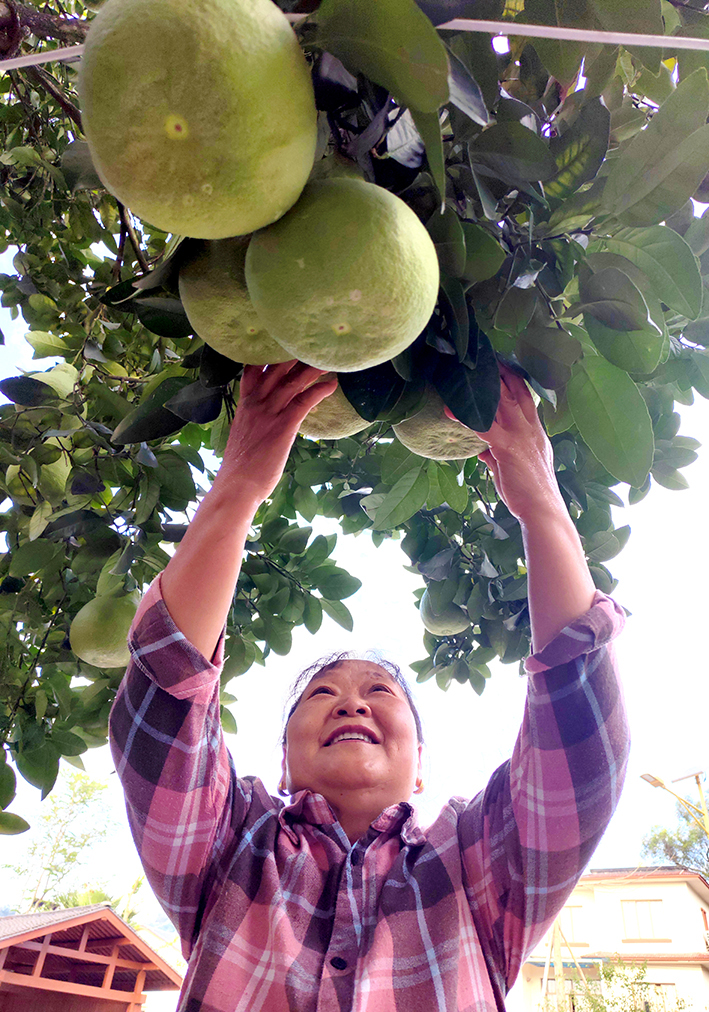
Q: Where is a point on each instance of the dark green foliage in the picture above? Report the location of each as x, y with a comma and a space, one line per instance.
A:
554, 258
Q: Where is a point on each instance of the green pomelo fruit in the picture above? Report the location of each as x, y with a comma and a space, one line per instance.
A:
199, 116
99, 631
333, 418
216, 300
431, 433
347, 279
452, 620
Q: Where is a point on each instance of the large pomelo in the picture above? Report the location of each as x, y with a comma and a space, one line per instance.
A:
431, 433
333, 418
347, 279
216, 300
99, 631
199, 116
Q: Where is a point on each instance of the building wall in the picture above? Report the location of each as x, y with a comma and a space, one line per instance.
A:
636, 917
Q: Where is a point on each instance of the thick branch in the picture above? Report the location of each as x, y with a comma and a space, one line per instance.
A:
39, 23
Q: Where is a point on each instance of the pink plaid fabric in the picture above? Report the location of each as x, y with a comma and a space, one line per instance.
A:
278, 912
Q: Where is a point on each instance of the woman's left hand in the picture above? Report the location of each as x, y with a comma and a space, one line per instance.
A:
520, 455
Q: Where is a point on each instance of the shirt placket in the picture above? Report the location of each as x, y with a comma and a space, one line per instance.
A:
340, 958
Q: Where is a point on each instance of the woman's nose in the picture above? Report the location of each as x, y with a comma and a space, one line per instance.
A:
348, 707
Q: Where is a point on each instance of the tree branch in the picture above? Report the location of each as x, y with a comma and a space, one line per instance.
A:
46, 81
19, 20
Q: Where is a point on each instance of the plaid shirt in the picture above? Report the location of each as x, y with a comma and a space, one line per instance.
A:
278, 912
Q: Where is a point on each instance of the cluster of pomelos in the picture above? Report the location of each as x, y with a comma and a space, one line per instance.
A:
201, 118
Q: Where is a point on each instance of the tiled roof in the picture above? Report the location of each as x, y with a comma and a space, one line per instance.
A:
17, 924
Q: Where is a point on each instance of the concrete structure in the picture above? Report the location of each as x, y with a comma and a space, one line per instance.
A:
83, 959
658, 916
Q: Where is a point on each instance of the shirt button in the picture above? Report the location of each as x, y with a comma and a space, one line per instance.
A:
354, 857
339, 963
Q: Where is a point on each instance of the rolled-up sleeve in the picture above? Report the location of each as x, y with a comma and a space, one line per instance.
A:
527, 838
183, 799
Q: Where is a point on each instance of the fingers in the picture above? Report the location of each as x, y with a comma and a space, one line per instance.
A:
279, 383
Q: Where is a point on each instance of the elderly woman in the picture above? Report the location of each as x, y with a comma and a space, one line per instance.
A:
339, 901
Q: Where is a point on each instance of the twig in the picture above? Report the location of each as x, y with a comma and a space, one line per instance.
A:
126, 223
46, 81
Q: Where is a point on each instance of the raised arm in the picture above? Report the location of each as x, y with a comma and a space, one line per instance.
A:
199, 581
521, 459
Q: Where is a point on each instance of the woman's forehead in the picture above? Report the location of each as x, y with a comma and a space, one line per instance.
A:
345, 670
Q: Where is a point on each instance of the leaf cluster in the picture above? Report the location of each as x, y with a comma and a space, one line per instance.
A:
560, 209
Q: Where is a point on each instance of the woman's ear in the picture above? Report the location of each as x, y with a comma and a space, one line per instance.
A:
282, 789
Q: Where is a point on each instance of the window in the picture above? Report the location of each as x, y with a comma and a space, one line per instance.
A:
642, 921
573, 925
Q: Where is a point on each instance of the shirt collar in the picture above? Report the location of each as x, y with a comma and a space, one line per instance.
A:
306, 806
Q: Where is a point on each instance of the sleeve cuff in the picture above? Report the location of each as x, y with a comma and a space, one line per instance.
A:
598, 626
164, 654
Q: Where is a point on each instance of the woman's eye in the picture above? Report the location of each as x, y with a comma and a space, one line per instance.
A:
384, 688
323, 688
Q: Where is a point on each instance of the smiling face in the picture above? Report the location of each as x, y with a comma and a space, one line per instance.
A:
353, 731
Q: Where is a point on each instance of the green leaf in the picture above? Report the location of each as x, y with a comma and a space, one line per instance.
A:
465, 92
669, 477
561, 58
511, 152
175, 476
295, 540
372, 392
151, 420
471, 392
398, 461
611, 297
32, 556
407, 497
40, 767
483, 254
580, 151
667, 261
68, 744
228, 720
339, 613
46, 345
315, 471
455, 494
12, 825
78, 168
643, 17
39, 520
660, 169
312, 613
334, 583
8, 784
391, 42
547, 353
275, 632
26, 391
446, 231
428, 125
635, 351
612, 418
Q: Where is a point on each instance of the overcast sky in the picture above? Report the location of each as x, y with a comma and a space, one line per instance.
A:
663, 577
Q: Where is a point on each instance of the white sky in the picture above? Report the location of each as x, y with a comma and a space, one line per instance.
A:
663, 575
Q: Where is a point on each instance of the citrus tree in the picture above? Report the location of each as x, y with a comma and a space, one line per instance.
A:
555, 182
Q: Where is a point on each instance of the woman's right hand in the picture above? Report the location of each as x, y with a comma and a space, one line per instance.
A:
199, 581
273, 402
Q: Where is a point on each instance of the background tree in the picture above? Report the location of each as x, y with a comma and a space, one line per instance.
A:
686, 846
75, 821
621, 987
567, 246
